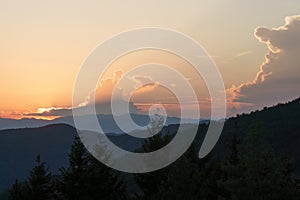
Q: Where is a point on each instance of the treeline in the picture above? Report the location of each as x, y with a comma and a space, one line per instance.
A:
250, 171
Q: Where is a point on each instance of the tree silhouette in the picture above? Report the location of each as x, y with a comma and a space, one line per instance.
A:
17, 191
87, 178
150, 182
71, 184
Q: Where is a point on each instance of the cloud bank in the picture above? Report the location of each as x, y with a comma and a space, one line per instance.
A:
100, 98
278, 79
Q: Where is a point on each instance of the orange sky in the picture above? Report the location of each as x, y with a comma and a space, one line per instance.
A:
43, 44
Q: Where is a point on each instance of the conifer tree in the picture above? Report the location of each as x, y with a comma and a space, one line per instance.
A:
71, 183
191, 178
87, 178
228, 168
150, 182
16, 192
39, 184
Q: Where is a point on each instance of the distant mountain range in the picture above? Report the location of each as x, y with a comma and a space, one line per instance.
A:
19, 147
106, 121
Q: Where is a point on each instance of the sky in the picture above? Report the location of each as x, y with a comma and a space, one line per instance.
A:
43, 45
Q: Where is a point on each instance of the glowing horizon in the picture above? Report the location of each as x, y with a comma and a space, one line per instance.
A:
44, 45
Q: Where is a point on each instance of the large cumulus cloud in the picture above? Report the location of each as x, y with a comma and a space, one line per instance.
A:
278, 79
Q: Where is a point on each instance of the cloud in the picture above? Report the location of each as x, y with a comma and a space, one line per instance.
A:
243, 53
106, 88
153, 93
100, 98
101, 108
51, 112
278, 79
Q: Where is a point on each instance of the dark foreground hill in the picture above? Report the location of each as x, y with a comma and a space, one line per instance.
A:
19, 148
281, 124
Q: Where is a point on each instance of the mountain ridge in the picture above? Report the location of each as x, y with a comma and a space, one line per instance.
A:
107, 122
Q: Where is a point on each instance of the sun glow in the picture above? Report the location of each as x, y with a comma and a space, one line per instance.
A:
42, 110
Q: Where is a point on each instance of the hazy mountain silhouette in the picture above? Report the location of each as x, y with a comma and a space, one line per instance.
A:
107, 122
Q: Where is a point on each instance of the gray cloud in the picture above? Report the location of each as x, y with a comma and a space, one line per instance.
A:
102, 101
102, 108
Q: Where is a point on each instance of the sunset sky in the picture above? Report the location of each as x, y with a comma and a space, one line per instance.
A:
44, 43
